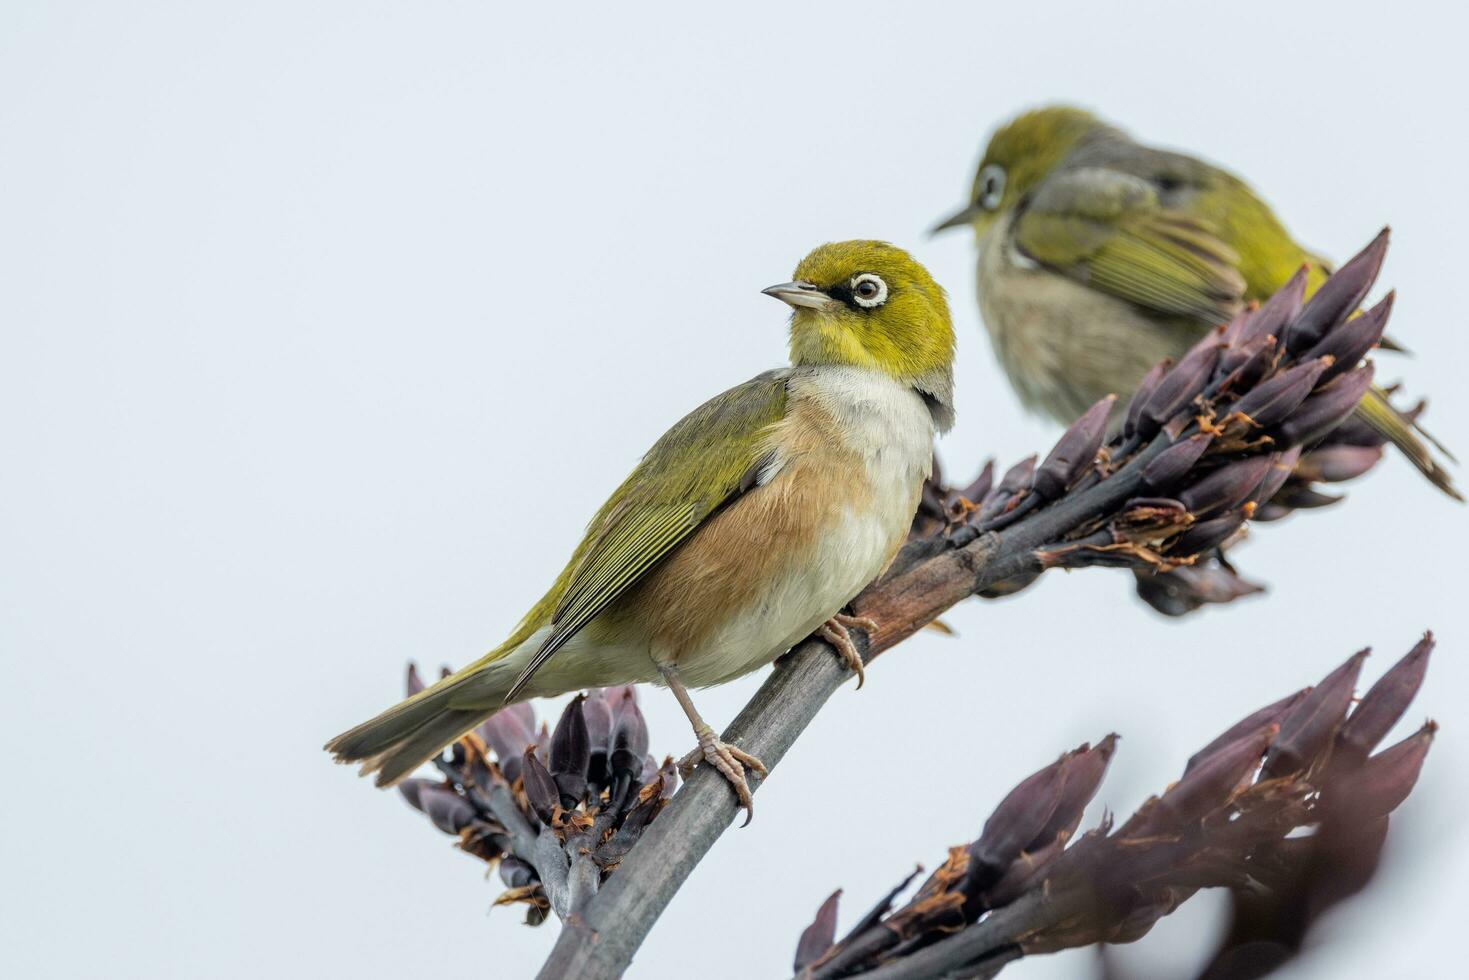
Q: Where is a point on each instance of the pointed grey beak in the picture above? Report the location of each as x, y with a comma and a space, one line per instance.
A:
799, 294
957, 219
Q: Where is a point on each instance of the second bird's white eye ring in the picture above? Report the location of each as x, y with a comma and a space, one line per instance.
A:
869, 291
991, 187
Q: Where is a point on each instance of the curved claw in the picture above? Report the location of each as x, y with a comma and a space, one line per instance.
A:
731, 763
837, 631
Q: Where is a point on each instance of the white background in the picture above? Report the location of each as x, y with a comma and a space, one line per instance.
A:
326, 326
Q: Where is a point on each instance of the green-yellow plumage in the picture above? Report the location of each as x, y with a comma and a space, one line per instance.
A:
745, 527
1099, 256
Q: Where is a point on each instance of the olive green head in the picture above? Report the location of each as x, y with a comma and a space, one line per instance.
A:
868, 304
1020, 155
871, 304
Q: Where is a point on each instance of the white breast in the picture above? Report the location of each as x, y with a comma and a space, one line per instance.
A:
890, 428
882, 419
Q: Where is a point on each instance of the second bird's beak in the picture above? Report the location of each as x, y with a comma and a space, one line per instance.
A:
799, 294
963, 217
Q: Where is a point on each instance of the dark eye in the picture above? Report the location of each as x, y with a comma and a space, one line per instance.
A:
869, 290
989, 189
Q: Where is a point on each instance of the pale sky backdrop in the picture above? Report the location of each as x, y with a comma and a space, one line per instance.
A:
326, 326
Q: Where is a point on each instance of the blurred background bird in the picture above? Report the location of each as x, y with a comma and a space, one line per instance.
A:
1099, 257
749, 525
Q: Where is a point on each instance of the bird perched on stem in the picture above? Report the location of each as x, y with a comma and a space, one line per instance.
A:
1099, 257
749, 525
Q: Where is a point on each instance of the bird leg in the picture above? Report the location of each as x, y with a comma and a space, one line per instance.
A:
730, 761
838, 632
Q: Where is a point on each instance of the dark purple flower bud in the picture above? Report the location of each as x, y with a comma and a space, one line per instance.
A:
820, 934
629, 747
1209, 785
882, 906
982, 483
1227, 487
414, 683
633, 824
1016, 478
1338, 297
1024, 872
1382, 706
1141, 917
1084, 769
1213, 337
1136, 423
516, 873
1271, 511
1282, 467
1351, 341
1181, 385
1208, 534
1273, 400
1337, 464
1328, 408
1017, 821
1308, 730
1382, 783
449, 811
1299, 497
1344, 859
504, 733
1355, 432
599, 733
1234, 328
412, 788
1282, 307
571, 754
1175, 462
1184, 589
1271, 714
630, 733
1242, 367
598, 716
540, 788
1074, 451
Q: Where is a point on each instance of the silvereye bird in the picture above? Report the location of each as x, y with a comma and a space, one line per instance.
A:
1099, 257
750, 524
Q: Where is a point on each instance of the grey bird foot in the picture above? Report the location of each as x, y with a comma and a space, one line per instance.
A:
731, 763
838, 632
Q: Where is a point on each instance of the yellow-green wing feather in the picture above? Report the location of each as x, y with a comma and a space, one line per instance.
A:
1193, 252
1110, 230
710, 457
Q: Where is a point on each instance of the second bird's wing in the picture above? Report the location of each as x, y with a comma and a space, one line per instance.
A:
714, 454
1109, 230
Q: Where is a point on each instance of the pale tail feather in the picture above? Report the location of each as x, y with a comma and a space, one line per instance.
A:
410, 733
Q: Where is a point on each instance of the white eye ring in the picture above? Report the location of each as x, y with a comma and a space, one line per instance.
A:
990, 188
863, 284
